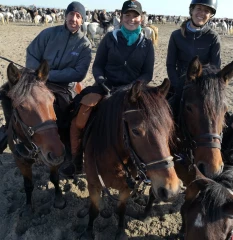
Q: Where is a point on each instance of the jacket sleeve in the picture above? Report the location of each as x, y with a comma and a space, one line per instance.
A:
76, 74
171, 61
35, 50
148, 66
215, 58
98, 68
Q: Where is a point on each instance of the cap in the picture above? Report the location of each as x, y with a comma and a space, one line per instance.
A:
76, 7
132, 6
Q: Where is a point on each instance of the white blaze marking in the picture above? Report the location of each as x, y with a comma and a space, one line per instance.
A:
198, 222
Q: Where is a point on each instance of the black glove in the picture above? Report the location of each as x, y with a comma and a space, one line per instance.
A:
100, 80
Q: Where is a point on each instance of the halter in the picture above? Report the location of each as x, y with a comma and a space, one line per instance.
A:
194, 142
33, 150
140, 165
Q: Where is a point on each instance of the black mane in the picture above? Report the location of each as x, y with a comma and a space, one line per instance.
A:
212, 90
216, 194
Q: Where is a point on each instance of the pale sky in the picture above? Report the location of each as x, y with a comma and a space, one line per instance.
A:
163, 7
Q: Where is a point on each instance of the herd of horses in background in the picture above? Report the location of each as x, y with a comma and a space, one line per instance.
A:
46, 16
142, 144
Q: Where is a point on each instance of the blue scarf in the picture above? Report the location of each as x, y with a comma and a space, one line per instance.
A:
131, 36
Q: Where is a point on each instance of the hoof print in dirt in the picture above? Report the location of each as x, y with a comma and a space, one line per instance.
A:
105, 213
59, 203
86, 235
83, 213
26, 212
121, 235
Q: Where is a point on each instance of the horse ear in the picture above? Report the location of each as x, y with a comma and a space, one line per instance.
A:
227, 209
13, 74
194, 173
195, 187
227, 72
135, 91
194, 69
43, 71
164, 87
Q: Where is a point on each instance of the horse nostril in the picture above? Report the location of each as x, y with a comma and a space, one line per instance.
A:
50, 156
201, 168
163, 193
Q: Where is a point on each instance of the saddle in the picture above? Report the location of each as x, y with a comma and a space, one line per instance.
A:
62, 104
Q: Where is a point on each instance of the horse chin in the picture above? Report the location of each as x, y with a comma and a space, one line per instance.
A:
49, 162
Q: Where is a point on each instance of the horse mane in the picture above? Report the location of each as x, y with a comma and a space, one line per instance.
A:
212, 90
216, 194
107, 131
22, 90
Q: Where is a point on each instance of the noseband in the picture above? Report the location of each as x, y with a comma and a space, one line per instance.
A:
194, 142
30, 150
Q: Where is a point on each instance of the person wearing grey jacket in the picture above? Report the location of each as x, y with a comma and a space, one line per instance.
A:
195, 38
66, 49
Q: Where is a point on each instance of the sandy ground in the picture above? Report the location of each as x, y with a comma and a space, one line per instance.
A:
49, 223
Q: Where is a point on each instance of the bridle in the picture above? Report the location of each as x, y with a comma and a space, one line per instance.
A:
191, 142
140, 165
30, 149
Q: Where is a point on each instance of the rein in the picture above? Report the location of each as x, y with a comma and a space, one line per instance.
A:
194, 142
34, 150
8, 60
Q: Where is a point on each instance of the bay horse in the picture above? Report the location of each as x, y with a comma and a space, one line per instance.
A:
201, 118
136, 142
32, 132
207, 212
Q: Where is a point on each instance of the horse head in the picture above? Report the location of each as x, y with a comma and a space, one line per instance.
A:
149, 127
202, 110
33, 128
207, 211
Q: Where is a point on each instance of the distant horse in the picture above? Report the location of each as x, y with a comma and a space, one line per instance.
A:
136, 143
32, 133
152, 32
48, 19
207, 212
116, 22
2, 19
222, 26
94, 29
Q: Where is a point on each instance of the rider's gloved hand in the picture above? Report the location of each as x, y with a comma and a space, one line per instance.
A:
100, 80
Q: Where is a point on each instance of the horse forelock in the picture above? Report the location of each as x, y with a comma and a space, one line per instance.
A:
156, 111
212, 90
24, 89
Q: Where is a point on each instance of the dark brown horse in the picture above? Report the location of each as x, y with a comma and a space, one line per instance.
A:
201, 118
207, 212
32, 132
130, 136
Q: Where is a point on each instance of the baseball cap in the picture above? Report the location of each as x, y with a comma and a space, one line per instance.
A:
132, 6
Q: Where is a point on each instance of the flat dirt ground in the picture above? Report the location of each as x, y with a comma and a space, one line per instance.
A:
49, 223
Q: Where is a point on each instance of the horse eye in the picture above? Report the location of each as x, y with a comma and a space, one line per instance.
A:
135, 132
188, 108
